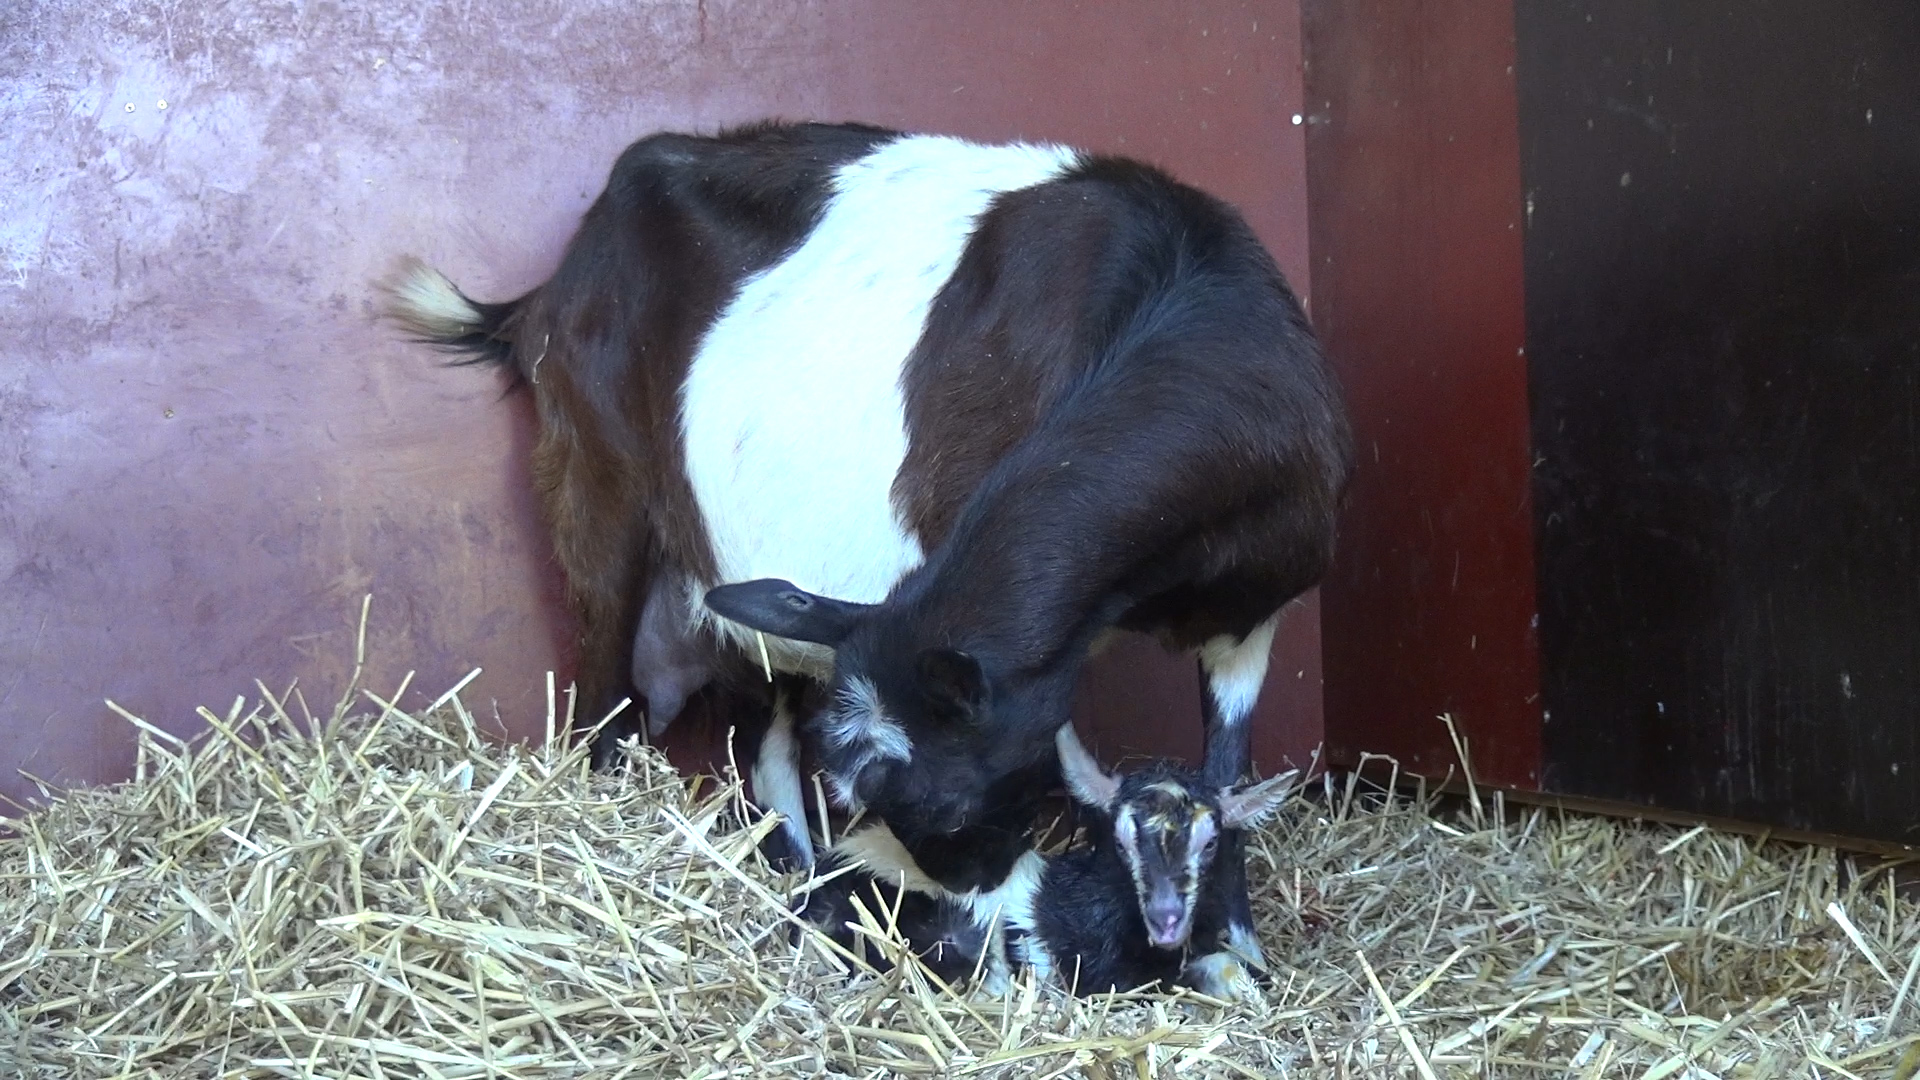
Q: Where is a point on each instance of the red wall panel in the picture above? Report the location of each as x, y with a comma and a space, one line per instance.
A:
209, 451
1414, 181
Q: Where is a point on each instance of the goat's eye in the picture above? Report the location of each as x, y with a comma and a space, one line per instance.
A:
1212, 842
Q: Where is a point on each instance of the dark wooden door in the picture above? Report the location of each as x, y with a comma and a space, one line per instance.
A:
1628, 298
208, 449
1723, 323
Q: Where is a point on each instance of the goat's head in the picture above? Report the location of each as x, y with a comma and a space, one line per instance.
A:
1167, 827
925, 736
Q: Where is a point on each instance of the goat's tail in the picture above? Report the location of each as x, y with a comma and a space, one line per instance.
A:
433, 310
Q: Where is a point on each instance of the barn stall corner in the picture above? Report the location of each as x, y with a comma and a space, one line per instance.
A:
1628, 532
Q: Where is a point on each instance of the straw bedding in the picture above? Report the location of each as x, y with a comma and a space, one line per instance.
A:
397, 896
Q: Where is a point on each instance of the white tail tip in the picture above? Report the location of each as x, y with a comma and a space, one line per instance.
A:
427, 304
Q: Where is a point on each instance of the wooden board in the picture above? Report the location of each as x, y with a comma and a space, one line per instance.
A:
1723, 319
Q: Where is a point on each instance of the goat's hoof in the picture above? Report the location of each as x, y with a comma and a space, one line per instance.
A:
1243, 943
995, 981
785, 853
781, 857
1225, 976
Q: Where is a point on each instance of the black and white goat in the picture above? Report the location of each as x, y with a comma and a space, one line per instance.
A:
1149, 898
1145, 901
934, 416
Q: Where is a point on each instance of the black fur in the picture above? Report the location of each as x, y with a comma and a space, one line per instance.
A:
938, 929
1088, 920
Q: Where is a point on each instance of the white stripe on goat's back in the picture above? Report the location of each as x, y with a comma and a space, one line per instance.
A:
793, 413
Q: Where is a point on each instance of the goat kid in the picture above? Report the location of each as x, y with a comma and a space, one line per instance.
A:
1149, 898
1145, 901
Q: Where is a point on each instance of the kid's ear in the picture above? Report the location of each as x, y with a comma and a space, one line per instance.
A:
1085, 779
1250, 807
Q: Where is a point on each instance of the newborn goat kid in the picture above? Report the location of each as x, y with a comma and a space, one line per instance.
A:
1147, 899
1144, 902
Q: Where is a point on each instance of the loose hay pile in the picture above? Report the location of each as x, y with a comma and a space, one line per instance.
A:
398, 897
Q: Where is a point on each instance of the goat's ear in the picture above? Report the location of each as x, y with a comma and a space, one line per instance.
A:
780, 608
953, 680
1085, 779
1248, 807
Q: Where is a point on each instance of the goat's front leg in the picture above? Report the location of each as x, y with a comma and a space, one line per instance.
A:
776, 784
1232, 673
